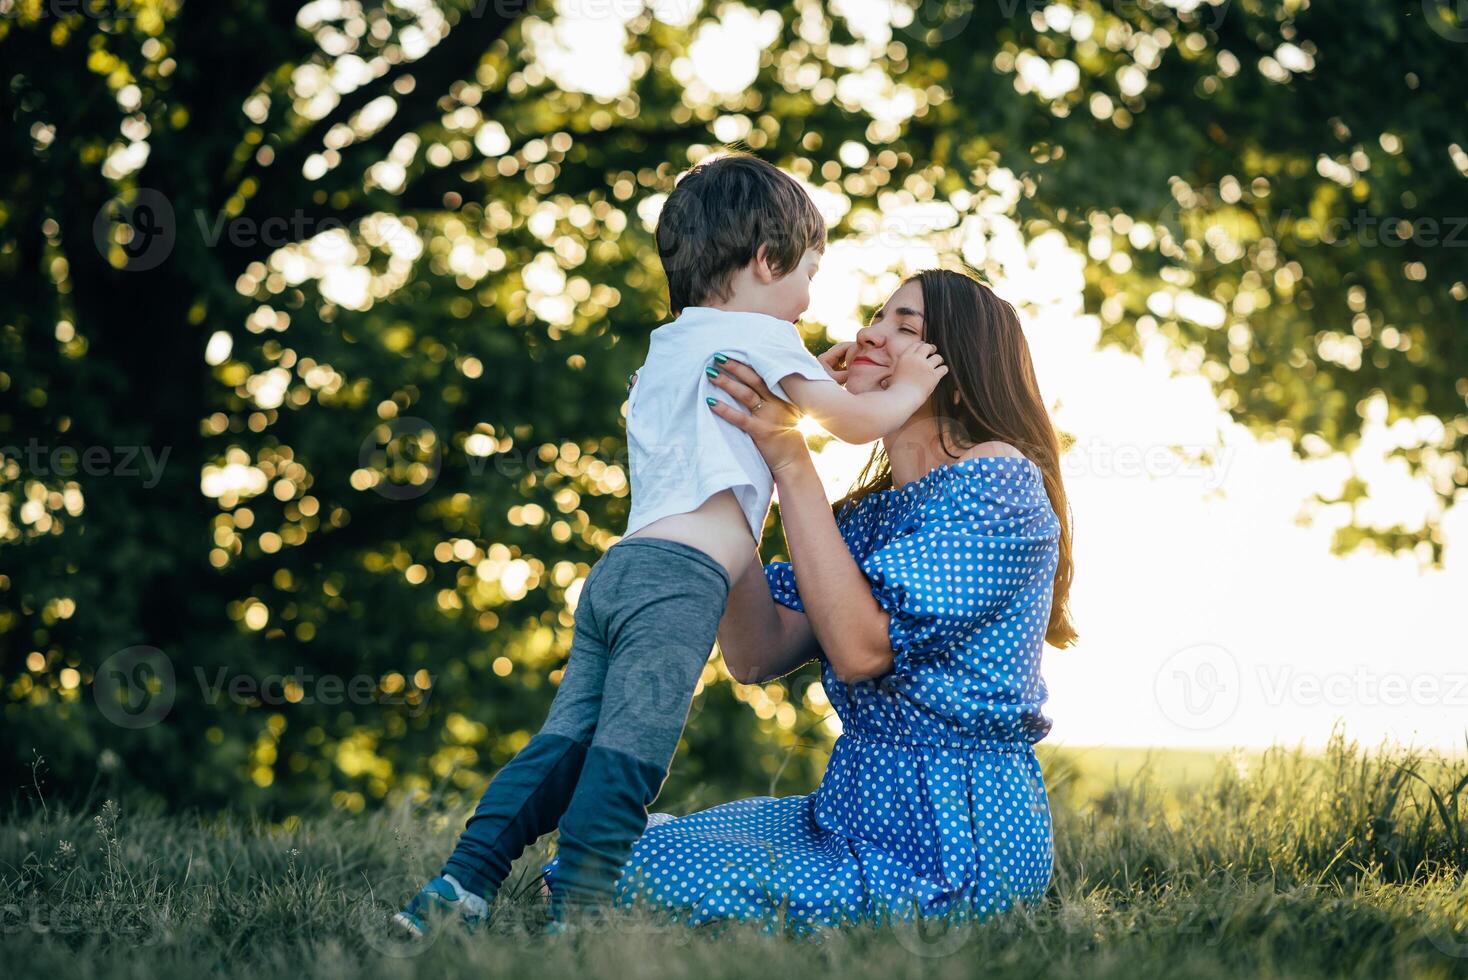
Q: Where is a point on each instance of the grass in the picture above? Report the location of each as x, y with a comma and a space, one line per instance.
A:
1346, 863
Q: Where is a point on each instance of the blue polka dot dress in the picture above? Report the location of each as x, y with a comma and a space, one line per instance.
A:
933, 802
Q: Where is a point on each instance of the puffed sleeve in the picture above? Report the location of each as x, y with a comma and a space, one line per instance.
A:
781, 577
960, 567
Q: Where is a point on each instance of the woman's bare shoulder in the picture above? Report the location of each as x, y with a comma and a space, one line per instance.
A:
994, 448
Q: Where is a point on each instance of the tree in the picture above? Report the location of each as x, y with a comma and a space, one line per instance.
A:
377, 357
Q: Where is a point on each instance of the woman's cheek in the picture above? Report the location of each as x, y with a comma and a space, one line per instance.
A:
900, 343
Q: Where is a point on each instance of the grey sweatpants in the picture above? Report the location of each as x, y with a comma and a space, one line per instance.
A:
645, 624
647, 618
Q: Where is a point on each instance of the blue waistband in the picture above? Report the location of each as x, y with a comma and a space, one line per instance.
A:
952, 741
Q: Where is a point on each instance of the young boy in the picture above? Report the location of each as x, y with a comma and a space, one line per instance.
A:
739, 241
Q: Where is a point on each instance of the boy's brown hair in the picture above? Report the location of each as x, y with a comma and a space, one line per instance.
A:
718, 217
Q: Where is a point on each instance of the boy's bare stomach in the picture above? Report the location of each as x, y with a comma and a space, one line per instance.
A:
718, 528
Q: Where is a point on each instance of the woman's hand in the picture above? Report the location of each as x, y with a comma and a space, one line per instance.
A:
770, 421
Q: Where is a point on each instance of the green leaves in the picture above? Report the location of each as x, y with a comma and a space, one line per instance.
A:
436, 273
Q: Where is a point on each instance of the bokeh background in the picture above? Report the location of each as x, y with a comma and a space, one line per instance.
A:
315, 323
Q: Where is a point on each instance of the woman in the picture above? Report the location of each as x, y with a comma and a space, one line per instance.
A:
926, 596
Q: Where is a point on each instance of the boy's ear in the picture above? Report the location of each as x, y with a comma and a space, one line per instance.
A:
761, 266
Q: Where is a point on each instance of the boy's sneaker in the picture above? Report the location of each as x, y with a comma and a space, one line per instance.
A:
439, 898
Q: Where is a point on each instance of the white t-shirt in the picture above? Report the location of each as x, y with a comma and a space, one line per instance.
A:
681, 453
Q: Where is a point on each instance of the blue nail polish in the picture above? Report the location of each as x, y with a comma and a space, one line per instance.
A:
712, 372
712, 401
721, 358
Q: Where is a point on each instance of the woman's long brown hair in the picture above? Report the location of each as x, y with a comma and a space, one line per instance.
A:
998, 399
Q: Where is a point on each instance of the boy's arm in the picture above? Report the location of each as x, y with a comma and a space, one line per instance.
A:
854, 418
793, 374
870, 415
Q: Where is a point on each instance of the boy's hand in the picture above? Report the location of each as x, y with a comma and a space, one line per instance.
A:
920, 366
834, 361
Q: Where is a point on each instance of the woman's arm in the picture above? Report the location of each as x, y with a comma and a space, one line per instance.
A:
760, 638
842, 616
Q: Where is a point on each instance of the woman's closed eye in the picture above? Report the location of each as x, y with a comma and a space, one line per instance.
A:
905, 324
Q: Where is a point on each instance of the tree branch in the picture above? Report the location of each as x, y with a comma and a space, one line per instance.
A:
285, 189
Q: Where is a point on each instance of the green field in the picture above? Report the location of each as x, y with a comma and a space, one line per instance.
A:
1168, 864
